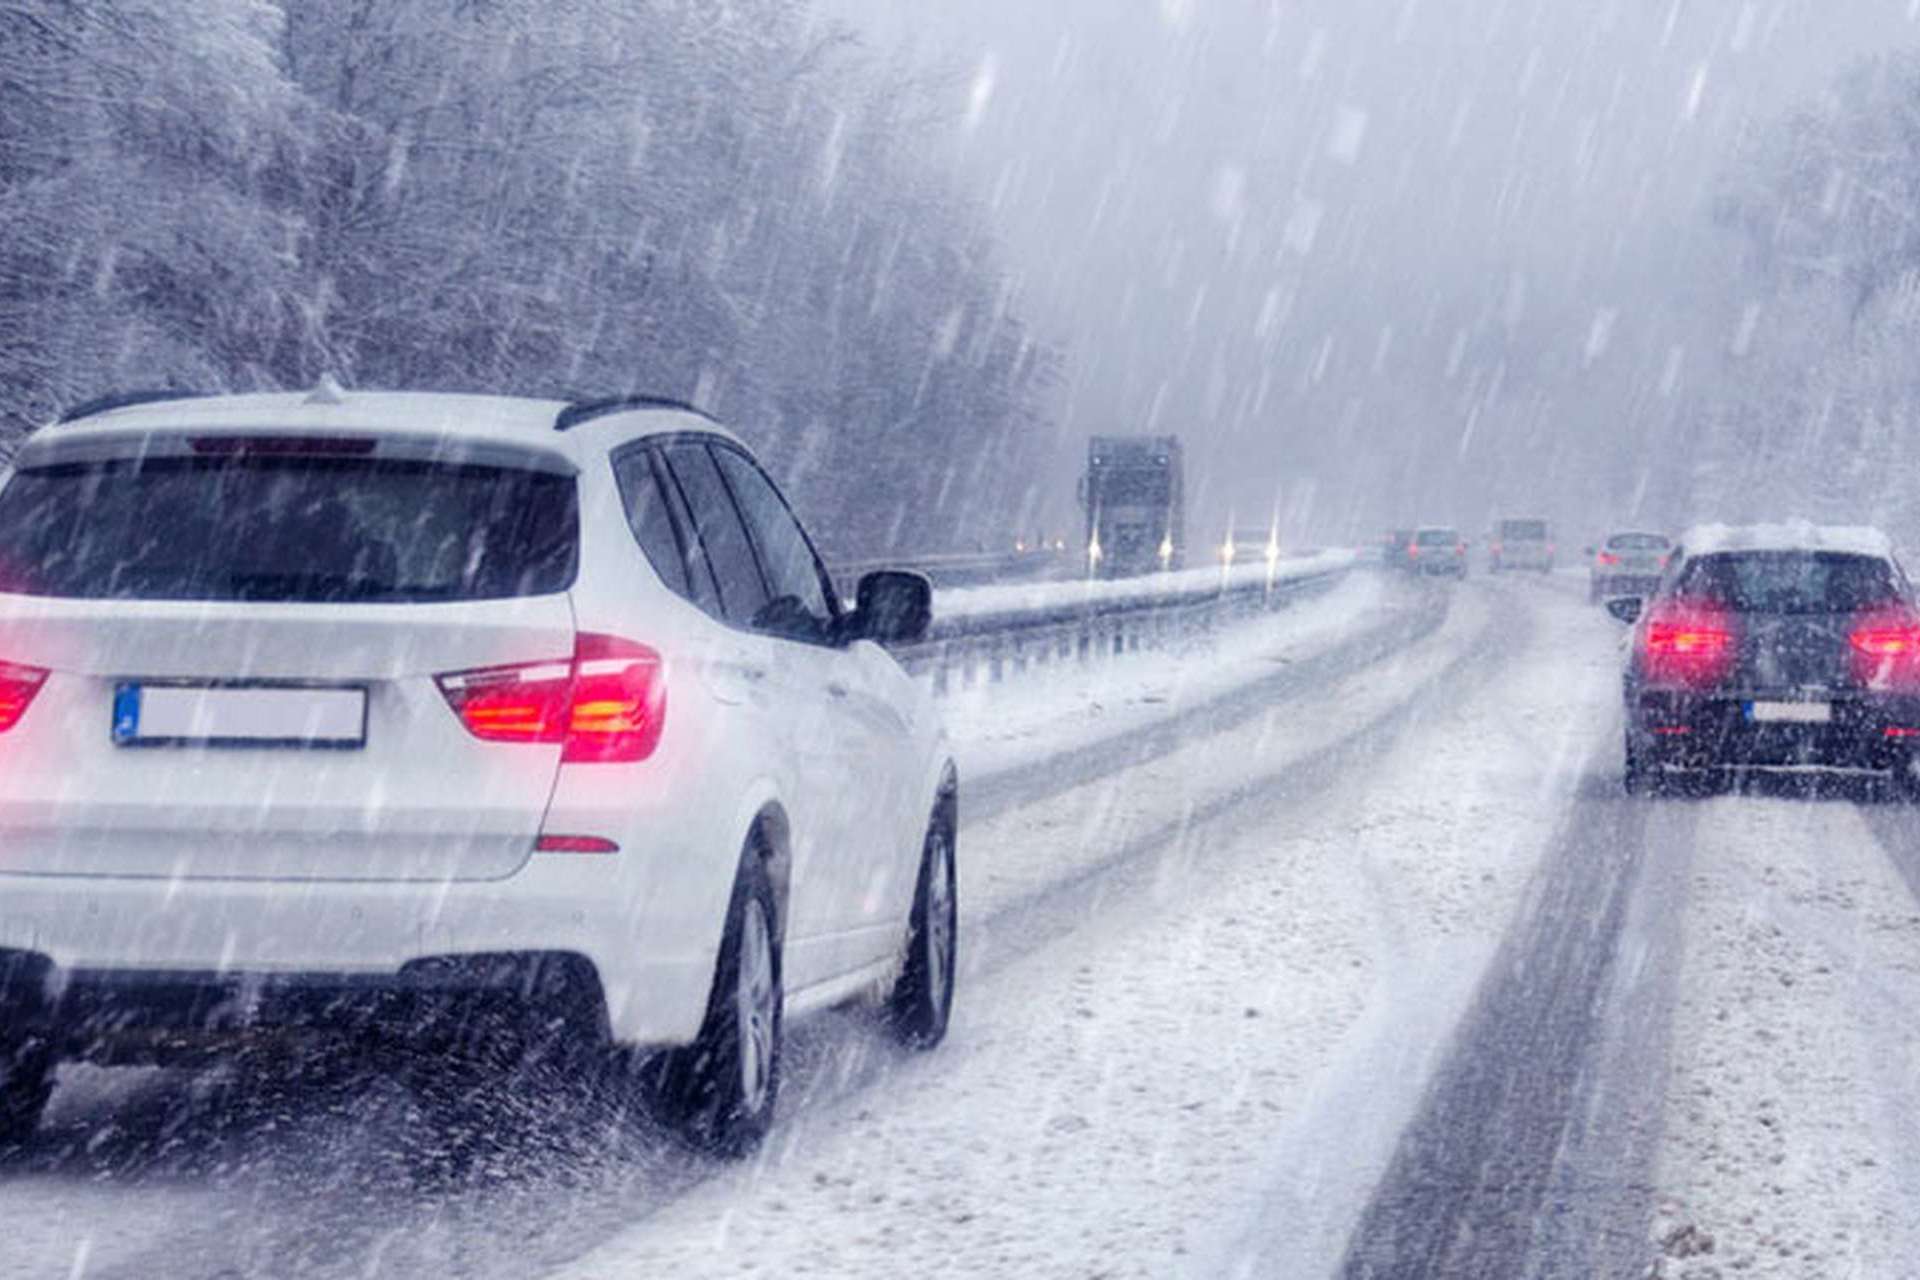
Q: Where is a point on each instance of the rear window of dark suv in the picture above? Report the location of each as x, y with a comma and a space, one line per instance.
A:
1636, 542
298, 529
1790, 581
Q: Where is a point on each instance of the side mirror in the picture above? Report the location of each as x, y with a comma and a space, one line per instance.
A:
1625, 608
892, 606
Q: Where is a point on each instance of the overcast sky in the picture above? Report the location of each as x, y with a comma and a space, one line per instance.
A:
1378, 260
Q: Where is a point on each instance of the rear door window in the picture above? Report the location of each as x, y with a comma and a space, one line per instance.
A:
720, 531
297, 529
653, 521
800, 608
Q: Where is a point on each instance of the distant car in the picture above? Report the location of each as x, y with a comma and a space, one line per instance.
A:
1396, 551
1627, 564
1774, 647
1439, 550
1521, 544
493, 727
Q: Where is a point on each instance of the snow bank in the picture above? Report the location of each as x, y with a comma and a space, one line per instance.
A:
1061, 708
973, 603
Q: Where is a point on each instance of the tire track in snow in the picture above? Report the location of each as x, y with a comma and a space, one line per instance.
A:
1016, 787
1531, 1153
1027, 924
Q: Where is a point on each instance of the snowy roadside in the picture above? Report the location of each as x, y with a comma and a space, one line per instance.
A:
1194, 1071
1013, 597
1015, 855
1044, 713
1792, 1144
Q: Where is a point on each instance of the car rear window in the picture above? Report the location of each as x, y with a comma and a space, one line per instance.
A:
287, 529
1524, 530
1436, 537
1790, 581
1636, 542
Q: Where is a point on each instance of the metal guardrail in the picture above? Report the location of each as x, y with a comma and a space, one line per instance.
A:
1080, 622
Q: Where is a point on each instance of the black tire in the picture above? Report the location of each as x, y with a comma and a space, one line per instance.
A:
26, 1086
921, 1002
720, 1092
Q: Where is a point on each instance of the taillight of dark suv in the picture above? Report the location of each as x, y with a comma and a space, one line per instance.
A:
1687, 644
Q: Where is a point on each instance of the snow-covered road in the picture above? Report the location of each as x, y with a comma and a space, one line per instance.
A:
1330, 947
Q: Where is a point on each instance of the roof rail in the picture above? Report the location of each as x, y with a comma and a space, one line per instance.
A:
587, 410
125, 400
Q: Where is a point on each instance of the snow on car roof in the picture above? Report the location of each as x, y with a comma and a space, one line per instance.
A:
1787, 535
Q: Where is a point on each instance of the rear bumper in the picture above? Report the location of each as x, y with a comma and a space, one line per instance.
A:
1690, 731
285, 953
492, 1005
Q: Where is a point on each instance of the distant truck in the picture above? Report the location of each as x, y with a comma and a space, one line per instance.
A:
1135, 501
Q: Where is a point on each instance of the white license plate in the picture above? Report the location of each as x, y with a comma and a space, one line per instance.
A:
239, 715
1790, 712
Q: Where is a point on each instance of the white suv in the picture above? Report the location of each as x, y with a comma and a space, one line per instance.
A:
473, 721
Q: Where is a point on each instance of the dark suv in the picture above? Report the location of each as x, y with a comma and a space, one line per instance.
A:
1774, 647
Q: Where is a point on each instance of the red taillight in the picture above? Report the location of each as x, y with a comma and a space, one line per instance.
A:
619, 701
18, 685
1687, 645
1413, 552
575, 844
606, 705
1886, 648
1886, 641
1608, 559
